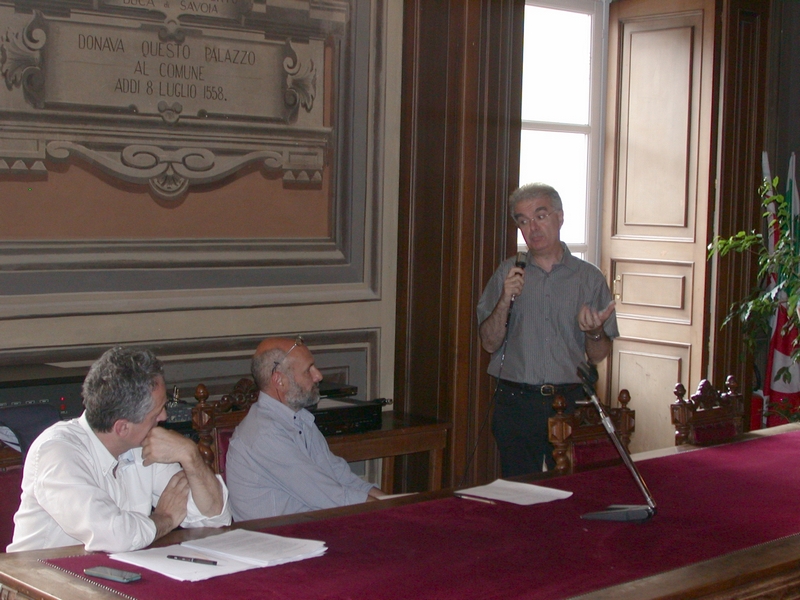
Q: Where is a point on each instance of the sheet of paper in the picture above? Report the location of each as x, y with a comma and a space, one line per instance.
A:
234, 551
256, 548
155, 559
515, 492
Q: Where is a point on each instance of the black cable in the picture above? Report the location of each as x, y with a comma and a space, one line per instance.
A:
521, 262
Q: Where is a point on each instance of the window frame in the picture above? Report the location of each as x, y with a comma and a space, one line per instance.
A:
594, 130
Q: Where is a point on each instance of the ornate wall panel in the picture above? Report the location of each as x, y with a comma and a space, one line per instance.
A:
349, 357
159, 155
460, 159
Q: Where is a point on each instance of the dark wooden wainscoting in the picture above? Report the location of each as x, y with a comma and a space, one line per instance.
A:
459, 160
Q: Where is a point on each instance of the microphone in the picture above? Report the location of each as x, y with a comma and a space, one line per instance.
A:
520, 263
588, 375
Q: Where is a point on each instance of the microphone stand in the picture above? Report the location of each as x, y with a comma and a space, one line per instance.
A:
616, 512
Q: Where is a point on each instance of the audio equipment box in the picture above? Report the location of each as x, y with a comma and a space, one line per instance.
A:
43, 384
347, 415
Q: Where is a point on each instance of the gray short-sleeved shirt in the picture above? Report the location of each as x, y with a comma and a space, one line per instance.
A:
545, 343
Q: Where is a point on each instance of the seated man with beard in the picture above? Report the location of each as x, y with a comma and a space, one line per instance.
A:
278, 462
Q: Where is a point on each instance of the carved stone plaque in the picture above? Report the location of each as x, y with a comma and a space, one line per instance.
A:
161, 97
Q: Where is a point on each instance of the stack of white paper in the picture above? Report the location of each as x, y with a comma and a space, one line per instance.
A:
258, 549
233, 551
514, 491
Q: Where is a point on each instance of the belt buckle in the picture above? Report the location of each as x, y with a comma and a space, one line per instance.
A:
547, 390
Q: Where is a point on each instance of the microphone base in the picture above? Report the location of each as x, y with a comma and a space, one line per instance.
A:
622, 512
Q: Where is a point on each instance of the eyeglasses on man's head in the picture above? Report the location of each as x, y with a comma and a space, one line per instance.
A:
298, 341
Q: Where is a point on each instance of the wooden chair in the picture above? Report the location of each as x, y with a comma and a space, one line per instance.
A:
580, 440
10, 483
215, 421
709, 416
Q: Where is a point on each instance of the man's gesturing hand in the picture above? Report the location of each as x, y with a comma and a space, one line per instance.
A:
591, 321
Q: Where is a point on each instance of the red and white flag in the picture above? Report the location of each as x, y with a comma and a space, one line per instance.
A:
777, 390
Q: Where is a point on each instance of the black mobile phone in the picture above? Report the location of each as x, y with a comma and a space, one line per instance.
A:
113, 574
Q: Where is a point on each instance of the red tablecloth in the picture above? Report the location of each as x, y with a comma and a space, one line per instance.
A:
710, 502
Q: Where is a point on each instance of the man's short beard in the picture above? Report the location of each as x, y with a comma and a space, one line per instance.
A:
297, 398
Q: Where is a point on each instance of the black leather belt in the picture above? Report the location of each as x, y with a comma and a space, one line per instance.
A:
547, 389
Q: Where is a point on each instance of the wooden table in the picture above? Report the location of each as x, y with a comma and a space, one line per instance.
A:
398, 435
768, 569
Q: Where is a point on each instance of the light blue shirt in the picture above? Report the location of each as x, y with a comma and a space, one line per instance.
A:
279, 463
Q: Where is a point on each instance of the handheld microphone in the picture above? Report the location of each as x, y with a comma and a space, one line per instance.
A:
588, 375
520, 263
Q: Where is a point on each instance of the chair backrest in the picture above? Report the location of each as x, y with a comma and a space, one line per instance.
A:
580, 440
709, 416
215, 421
10, 483
26, 422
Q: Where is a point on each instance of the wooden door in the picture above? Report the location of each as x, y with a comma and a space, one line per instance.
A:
658, 192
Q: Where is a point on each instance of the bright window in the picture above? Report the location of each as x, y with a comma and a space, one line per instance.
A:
562, 91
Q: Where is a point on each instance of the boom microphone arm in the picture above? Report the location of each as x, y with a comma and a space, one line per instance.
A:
616, 512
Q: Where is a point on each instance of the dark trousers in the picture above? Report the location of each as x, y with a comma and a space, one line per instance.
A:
519, 425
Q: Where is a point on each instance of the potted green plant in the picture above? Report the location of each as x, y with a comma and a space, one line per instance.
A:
778, 276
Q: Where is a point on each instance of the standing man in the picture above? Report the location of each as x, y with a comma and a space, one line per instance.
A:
278, 461
94, 480
540, 320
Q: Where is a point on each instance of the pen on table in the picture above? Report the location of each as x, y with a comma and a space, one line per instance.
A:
475, 498
199, 561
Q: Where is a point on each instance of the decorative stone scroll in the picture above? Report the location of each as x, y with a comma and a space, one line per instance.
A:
167, 93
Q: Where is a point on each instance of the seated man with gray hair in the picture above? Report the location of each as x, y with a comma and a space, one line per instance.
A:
94, 480
278, 461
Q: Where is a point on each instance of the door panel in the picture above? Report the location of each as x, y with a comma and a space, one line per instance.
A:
649, 371
653, 291
657, 194
655, 127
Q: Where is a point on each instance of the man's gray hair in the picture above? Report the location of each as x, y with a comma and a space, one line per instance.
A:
120, 385
531, 191
264, 364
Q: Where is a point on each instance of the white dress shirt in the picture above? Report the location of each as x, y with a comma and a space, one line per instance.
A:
75, 492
